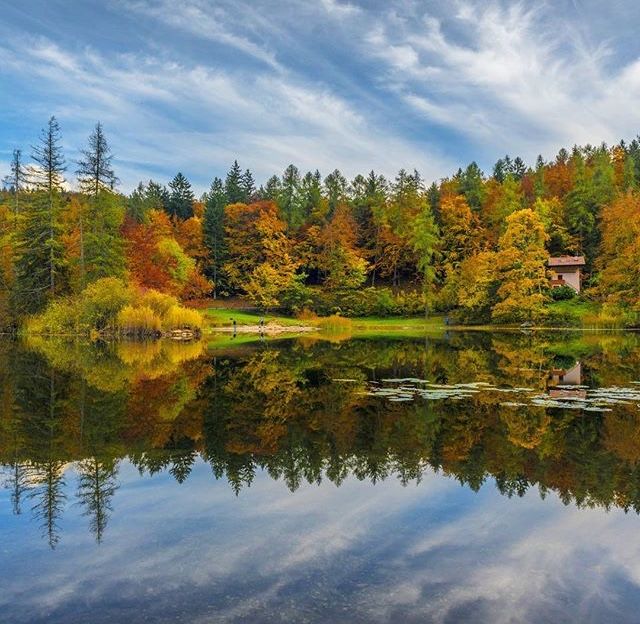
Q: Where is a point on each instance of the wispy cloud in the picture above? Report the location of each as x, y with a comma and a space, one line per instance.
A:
338, 83
265, 120
511, 74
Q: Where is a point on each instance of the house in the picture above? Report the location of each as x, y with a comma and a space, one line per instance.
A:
566, 271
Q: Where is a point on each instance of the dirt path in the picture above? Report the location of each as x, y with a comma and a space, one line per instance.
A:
269, 329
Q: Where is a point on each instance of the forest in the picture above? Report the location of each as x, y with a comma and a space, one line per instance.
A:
80, 256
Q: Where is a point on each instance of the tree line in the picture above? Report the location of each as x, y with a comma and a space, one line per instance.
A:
472, 245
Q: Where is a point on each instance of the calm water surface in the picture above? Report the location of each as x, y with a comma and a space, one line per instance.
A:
463, 478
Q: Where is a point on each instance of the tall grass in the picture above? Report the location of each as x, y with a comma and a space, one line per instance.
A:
335, 324
177, 317
138, 321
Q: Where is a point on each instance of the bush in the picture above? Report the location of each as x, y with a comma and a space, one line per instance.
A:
306, 315
159, 302
138, 321
59, 318
335, 323
100, 302
561, 318
368, 302
178, 317
110, 306
562, 293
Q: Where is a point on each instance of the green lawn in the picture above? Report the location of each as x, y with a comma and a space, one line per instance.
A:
221, 317
370, 326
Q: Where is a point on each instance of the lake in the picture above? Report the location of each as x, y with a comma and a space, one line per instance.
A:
464, 477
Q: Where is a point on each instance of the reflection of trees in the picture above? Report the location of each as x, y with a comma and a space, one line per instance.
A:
17, 482
97, 483
49, 497
279, 409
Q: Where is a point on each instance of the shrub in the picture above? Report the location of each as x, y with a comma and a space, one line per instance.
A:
111, 306
138, 321
613, 316
562, 293
335, 323
59, 318
99, 303
178, 317
306, 315
159, 302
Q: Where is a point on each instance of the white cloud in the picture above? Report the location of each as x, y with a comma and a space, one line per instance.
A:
197, 119
514, 75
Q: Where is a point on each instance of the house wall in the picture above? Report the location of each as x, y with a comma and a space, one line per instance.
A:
572, 278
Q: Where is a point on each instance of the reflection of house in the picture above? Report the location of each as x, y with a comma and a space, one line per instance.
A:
566, 378
566, 271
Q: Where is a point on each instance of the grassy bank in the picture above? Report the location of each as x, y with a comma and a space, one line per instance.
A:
217, 318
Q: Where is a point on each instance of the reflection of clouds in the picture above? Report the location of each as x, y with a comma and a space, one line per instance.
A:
436, 552
537, 561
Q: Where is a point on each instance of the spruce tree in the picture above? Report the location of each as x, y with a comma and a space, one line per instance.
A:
180, 198
335, 185
95, 172
289, 200
310, 193
97, 484
233, 185
17, 180
39, 248
272, 189
213, 230
248, 186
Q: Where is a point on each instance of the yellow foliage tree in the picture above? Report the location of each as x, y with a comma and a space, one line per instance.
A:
521, 264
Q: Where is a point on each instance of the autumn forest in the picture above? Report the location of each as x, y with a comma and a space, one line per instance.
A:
473, 246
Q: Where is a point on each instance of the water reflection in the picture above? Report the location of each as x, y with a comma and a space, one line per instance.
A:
303, 411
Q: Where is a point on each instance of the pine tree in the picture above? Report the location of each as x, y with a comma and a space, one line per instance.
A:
94, 171
272, 189
103, 253
310, 193
471, 185
213, 227
47, 178
289, 200
17, 180
335, 185
181, 198
233, 185
248, 186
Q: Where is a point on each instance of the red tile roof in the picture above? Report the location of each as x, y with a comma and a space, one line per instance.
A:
566, 261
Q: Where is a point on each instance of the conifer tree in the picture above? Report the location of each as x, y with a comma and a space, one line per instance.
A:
248, 186
233, 186
17, 180
39, 249
96, 487
181, 198
289, 200
95, 172
213, 226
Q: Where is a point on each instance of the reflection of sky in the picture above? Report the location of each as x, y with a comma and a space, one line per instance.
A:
433, 552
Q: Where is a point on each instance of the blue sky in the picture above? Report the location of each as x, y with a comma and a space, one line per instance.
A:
192, 85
